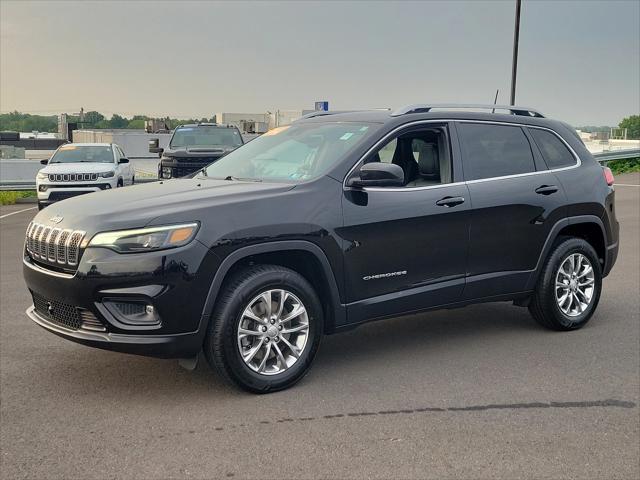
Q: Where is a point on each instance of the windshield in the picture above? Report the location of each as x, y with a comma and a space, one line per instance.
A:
206, 137
75, 154
291, 153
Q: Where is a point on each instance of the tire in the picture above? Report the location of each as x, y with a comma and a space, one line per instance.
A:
546, 307
133, 180
41, 206
120, 184
223, 342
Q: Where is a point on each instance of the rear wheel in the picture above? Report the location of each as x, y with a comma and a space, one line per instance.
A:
569, 287
265, 329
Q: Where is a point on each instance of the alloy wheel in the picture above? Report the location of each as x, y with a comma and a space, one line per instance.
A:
273, 332
575, 284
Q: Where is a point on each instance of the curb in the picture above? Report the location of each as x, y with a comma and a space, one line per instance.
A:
27, 200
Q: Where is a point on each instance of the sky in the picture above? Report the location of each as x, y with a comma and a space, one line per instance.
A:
579, 61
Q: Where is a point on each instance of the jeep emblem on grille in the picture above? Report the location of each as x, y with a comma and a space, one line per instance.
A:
56, 219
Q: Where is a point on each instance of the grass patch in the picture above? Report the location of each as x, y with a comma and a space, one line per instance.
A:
9, 197
629, 165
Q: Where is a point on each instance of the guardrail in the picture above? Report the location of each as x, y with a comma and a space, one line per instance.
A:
617, 155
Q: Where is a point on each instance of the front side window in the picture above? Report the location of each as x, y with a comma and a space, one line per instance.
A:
83, 154
204, 136
423, 155
494, 150
555, 153
292, 153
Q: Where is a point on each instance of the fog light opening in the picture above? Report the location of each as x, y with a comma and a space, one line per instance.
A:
133, 311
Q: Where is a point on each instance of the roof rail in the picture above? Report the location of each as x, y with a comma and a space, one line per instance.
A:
424, 108
321, 113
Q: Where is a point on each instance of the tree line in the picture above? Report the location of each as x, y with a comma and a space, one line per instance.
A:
25, 122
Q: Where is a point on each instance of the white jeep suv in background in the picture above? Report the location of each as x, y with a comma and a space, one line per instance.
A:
78, 168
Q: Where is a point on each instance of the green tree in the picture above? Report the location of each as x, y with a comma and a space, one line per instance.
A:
24, 122
118, 122
136, 123
92, 118
632, 124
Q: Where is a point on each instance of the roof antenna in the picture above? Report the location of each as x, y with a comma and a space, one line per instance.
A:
495, 100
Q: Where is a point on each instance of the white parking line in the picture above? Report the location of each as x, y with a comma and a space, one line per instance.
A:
15, 213
625, 185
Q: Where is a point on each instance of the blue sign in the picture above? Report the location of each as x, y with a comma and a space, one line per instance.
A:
322, 106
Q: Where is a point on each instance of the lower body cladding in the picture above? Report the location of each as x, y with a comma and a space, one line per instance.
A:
147, 304
48, 194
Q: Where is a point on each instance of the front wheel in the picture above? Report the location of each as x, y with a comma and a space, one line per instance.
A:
265, 329
569, 287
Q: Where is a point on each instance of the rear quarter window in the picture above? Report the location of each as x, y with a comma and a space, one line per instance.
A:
554, 151
494, 150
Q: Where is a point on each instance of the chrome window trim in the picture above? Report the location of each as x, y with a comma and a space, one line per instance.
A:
441, 185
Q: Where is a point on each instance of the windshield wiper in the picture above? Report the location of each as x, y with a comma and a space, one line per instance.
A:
239, 179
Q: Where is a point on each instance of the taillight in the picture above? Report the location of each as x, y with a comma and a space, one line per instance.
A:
608, 175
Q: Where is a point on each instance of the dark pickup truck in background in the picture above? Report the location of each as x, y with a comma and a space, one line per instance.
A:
193, 147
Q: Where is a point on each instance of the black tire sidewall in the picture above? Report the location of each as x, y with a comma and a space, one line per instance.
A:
229, 315
549, 302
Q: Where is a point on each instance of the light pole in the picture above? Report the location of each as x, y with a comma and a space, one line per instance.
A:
514, 63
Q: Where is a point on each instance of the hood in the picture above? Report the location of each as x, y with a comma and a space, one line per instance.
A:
78, 167
155, 203
194, 152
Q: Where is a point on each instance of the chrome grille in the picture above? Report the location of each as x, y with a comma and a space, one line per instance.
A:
72, 177
54, 245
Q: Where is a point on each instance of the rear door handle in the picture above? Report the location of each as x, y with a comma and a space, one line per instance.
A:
546, 189
450, 201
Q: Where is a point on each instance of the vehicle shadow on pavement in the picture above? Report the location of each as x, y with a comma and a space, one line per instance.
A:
425, 334
419, 339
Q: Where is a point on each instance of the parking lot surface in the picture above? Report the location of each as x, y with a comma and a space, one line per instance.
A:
480, 392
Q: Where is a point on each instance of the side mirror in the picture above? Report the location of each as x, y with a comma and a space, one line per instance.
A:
378, 174
123, 160
44, 162
154, 146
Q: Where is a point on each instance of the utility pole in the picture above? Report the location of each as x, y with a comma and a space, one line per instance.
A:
514, 64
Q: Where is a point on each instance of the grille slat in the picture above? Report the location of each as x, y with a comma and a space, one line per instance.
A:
44, 246
51, 241
36, 241
54, 245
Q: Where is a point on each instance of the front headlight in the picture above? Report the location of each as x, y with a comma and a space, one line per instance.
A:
146, 239
106, 174
42, 176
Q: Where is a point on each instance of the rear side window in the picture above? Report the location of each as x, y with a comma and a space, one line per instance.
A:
555, 153
494, 150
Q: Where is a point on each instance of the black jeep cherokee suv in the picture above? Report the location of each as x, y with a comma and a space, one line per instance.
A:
333, 221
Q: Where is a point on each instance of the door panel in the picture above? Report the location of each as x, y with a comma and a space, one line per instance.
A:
509, 225
404, 251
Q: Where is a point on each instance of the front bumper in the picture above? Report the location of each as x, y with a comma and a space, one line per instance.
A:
175, 282
51, 193
184, 345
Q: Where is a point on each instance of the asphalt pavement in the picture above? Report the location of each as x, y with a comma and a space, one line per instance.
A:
480, 392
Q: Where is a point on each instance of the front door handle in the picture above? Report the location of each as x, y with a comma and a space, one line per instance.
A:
546, 189
450, 201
